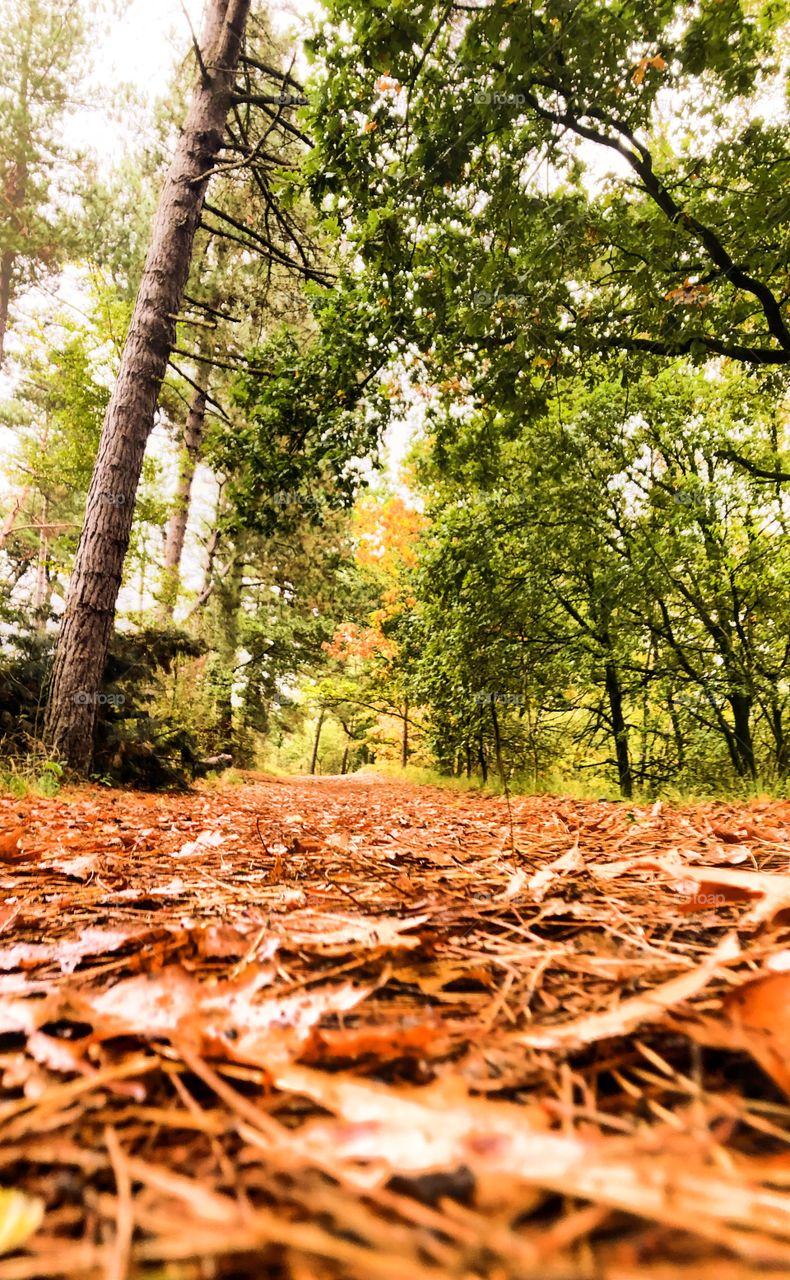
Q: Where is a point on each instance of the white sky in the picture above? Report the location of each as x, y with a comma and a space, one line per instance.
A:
142, 48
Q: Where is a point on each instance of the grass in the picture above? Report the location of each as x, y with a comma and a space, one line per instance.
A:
29, 776
566, 785
590, 787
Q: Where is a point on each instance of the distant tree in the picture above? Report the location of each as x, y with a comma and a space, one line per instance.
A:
41, 46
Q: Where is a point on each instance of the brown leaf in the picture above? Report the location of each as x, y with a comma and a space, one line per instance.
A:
761, 1011
10, 841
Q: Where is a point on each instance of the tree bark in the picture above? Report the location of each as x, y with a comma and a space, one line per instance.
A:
93, 591
500, 763
177, 524
741, 704
404, 745
619, 729
316, 740
481, 757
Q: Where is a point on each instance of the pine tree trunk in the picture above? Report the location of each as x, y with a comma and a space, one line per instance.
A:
177, 524
404, 744
41, 592
93, 591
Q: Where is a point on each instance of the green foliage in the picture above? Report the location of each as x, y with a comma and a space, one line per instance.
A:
531, 183
609, 560
40, 47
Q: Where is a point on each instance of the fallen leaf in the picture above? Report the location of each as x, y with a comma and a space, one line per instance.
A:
89, 942
538, 883
10, 850
761, 1011
172, 1004
206, 840
20, 1216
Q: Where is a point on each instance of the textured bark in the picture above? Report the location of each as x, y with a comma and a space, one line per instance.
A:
741, 705
177, 524
93, 591
317, 740
619, 730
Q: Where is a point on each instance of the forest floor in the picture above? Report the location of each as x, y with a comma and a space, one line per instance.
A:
353, 1028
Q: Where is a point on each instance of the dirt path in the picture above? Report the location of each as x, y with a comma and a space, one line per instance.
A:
347, 1027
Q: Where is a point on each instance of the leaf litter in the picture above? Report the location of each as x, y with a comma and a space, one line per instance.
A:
362, 1033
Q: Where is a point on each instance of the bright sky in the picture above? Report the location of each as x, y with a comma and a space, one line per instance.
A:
142, 48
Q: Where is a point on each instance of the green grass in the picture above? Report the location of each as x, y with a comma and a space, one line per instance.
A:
588, 787
28, 777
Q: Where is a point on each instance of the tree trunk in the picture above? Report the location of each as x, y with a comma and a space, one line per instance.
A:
316, 740
41, 592
93, 591
500, 763
780, 741
481, 756
741, 705
344, 761
619, 730
177, 524
404, 745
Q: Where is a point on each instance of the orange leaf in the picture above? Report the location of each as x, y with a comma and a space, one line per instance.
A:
9, 845
761, 1011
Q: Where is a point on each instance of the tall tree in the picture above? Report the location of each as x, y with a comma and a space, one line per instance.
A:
90, 605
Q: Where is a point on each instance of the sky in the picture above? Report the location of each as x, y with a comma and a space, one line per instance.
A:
142, 48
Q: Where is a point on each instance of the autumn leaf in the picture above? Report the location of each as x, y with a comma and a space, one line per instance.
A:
20, 1216
10, 841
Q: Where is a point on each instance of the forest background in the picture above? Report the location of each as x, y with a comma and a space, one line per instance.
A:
471, 452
